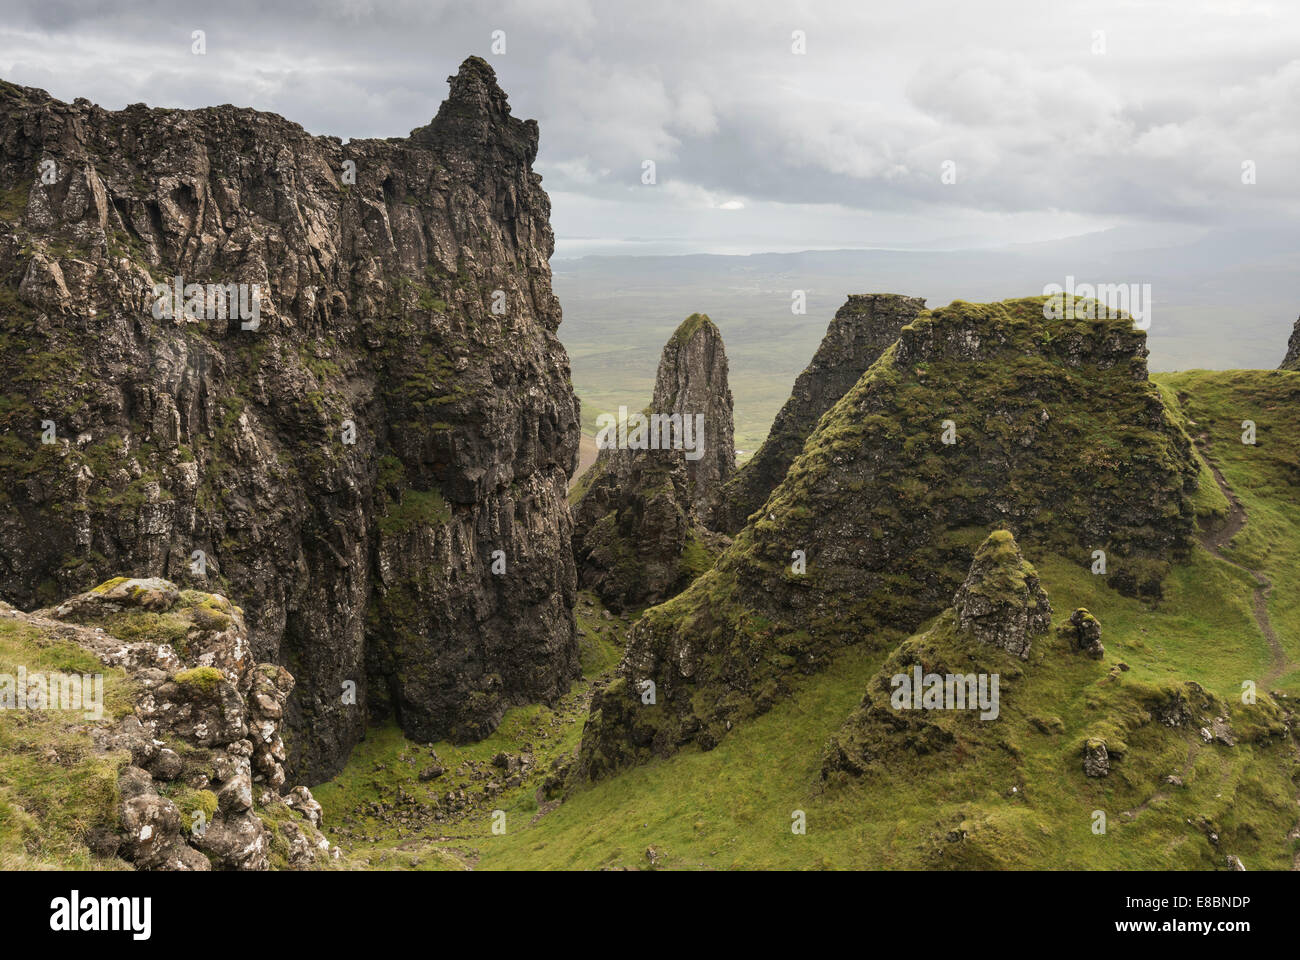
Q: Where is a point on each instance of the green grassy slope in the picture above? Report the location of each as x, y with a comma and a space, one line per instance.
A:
54, 787
1024, 802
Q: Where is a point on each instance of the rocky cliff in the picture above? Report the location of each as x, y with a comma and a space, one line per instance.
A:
859, 333
641, 525
981, 415
184, 717
1292, 359
321, 378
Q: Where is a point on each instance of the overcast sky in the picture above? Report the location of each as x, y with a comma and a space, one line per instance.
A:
1057, 117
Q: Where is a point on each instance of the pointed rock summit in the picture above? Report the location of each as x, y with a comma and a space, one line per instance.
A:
860, 332
692, 382
1292, 359
476, 114
641, 524
1001, 601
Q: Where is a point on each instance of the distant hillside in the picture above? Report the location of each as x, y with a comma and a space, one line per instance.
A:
1222, 300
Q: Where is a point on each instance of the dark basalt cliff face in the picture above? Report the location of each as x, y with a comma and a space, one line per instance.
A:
860, 332
641, 525
375, 471
979, 416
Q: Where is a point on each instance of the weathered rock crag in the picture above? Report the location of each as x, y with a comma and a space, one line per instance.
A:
351, 463
641, 528
861, 330
980, 416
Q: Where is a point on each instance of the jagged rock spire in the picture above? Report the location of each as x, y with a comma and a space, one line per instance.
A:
859, 333
640, 531
692, 381
476, 115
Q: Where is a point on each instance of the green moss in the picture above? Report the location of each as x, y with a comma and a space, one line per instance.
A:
695, 560
204, 680
190, 802
13, 202
54, 786
690, 327
414, 509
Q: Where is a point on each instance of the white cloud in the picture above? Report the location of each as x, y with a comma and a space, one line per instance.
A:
1008, 90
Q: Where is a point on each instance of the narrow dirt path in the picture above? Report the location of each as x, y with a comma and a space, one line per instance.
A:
1214, 542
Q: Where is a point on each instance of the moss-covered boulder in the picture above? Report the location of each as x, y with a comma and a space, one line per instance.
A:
1001, 601
1083, 631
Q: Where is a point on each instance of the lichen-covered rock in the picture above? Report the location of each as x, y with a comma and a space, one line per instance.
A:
1096, 759
203, 732
980, 416
1001, 601
238, 841
351, 462
1084, 633
641, 525
300, 799
861, 330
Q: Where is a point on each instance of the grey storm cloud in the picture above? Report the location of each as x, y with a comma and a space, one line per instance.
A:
1111, 110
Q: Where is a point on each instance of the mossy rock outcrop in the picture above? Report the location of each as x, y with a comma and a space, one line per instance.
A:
1001, 601
185, 748
980, 416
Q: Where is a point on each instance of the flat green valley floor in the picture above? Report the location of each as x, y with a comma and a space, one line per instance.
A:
1026, 804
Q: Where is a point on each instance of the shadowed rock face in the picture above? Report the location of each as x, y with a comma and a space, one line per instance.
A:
980, 416
401, 411
1292, 359
860, 332
640, 528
